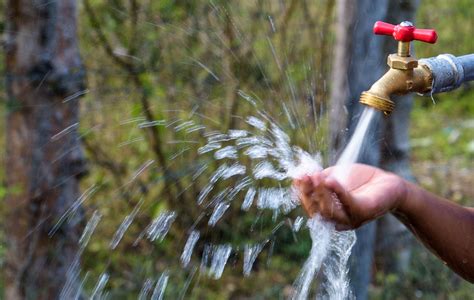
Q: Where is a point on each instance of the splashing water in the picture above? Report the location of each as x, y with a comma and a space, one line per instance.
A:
160, 286
188, 248
263, 184
124, 226
147, 286
320, 232
160, 226
218, 212
326, 241
97, 293
250, 255
336, 285
221, 254
272, 157
89, 229
297, 224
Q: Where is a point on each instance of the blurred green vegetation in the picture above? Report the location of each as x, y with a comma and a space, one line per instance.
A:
192, 60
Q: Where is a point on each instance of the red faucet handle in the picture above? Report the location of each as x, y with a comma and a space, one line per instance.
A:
406, 32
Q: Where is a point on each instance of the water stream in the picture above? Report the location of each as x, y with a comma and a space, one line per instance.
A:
276, 159
263, 182
328, 244
352, 150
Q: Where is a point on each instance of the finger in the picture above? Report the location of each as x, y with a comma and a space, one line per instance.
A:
331, 208
340, 191
306, 196
317, 179
343, 227
328, 171
309, 204
305, 185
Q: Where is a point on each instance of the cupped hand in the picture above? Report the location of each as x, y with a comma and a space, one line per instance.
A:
366, 194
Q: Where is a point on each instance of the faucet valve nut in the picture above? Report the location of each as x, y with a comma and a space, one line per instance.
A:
402, 63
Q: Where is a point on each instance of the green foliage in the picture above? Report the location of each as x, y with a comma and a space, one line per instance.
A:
453, 22
426, 278
449, 123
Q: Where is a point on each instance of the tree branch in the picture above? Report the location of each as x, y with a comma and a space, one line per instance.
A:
104, 42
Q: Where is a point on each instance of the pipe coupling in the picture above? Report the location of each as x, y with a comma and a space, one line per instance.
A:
447, 72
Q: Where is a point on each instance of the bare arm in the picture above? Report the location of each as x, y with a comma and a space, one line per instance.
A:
446, 228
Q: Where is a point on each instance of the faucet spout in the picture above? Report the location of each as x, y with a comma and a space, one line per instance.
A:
396, 82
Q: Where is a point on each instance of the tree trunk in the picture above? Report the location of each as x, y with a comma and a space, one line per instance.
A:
44, 159
360, 60
393, 239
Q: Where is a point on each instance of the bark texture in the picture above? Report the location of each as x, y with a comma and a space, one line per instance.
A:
360, 60
44, 158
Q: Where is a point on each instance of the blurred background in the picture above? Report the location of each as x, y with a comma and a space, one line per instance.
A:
146, 64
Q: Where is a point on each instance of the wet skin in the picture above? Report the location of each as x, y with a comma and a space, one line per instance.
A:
446, 228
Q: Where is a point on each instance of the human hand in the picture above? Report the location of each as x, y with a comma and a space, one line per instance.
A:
366, 194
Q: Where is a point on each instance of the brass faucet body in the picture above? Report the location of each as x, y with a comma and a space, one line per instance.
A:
404, 76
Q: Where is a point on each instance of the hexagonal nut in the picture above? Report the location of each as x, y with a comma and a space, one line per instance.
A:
401, 63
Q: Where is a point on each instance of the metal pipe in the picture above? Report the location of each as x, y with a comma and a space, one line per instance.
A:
448, 71
467, 63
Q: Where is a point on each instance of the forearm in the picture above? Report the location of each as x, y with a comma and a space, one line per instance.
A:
443, 226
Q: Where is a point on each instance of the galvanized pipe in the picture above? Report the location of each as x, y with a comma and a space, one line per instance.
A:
467, 63
449, 72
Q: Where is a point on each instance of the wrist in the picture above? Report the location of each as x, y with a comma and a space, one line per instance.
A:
409, 201
401, 203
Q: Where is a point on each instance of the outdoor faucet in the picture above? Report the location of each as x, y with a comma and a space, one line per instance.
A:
407, 74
